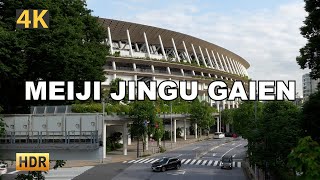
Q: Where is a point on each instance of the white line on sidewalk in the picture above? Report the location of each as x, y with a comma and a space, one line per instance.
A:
195, 148
210, 162
13, 172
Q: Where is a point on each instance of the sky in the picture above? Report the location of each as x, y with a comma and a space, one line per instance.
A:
265, 33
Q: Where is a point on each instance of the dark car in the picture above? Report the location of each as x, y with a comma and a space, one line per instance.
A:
226, 162
228, 134
166, 163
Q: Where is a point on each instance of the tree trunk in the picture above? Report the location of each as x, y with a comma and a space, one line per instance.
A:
137, 147
143, 143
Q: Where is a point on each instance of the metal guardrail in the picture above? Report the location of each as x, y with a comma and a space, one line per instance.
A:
46, 137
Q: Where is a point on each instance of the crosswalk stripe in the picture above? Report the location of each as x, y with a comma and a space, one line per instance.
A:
210, 162
183, 160
144, 160
149, 160
193, 161
187, 161
215, 163
138, 160
204, 162
154, 160
233, 164
239, 164
132, 161
199, 161
124, 162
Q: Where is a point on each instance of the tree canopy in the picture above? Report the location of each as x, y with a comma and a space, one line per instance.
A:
310, 53
70, 50
202, 114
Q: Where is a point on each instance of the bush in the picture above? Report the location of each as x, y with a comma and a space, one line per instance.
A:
179, 132
162, 149
166, 135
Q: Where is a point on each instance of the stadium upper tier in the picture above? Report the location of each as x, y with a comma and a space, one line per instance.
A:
146, 45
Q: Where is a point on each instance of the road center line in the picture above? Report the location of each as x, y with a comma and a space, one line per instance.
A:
195, 148
230, 150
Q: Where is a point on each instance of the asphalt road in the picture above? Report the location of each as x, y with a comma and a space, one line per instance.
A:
200, 160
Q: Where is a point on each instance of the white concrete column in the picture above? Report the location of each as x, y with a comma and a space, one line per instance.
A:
233, 104
137, 47
215, 61
228, 104
152, 68
147, 45
234, 67
114, 76
129, 139
210, 62
162, 48
125, 139
175, 50
222, 67
225, 64
134, 66
104, 140
114, 65
110, 41
168, 69
196, 130
147, 142
218, 108
229, 65
129, 41
195, 54
174, 130
218, 124
185, 129
203, 59
186, 51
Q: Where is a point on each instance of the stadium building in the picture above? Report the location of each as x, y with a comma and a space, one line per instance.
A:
140, 53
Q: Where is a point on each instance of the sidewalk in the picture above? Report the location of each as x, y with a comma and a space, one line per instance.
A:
117, 156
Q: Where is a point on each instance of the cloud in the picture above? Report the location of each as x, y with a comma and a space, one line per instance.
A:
269, 39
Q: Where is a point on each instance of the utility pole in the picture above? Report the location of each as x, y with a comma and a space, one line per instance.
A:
171, 122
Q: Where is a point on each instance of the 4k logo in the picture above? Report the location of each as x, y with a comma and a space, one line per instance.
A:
32, 18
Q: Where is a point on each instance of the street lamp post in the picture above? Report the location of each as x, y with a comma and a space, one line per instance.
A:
171, 123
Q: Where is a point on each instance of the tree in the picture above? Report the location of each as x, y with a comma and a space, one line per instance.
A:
227, 116
159, 130
310, 53
2, 124
310, 116
278, 132
305, 158
202, 114
141, 112
70, 50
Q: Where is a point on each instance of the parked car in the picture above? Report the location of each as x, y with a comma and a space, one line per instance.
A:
166, 163
3, 168
226, 162
218, 135
229, 134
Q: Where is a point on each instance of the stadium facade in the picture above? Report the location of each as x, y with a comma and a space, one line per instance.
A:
140, 53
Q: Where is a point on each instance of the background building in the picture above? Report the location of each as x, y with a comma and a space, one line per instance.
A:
309, 85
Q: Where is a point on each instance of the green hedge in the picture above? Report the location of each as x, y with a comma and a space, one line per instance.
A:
118, 109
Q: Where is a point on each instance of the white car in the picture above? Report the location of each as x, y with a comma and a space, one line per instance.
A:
218, 135
3, 168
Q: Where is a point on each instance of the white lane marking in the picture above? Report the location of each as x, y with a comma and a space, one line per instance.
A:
13, 172
187, 161
154, 160
180, 155
230, 150
183, 160
214, 154
144, 160
132, 161
195, 148
124, 162
239, 164
233, 164
199, 161
234, 155
215, 163
193, 161
149, 161
210, 162
178, 172
204, 162
138, 160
